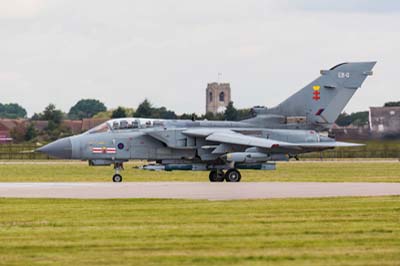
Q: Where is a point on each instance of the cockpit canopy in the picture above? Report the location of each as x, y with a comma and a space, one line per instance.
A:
126, 124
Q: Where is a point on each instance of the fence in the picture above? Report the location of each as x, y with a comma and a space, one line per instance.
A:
21, 152
339, 154
372, 149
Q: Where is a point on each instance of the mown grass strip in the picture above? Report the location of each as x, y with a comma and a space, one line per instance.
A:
330, 231
293, 171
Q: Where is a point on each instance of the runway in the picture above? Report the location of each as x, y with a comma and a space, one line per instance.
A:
195, 190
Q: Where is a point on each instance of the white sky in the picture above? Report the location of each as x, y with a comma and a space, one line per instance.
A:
124, 51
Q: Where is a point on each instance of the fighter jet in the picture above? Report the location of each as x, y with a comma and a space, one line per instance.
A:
223, 147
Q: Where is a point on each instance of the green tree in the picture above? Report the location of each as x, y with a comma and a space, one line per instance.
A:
12, 111
55, 129
211, 116
231, 114
36, 116
144, 109
186, 116
106, 114
52, 115
120, 112
343, 120
163, 113
244, 114
18, 133
392, 104
86, 108
22, 132
54, 132
357, 119
30, 132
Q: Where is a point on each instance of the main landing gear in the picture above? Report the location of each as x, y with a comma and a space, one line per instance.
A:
216, 176
232, 175
117, 178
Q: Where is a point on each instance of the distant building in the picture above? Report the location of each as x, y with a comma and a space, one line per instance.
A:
74, 125
89, 123
218, 96
40, 125
384, 121
350, 133
7, 125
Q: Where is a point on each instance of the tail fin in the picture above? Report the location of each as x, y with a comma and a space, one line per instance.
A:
324, 99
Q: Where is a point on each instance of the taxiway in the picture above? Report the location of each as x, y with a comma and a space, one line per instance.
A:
196, 190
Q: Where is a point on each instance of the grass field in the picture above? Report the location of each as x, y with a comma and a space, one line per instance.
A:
330, 231
347, 171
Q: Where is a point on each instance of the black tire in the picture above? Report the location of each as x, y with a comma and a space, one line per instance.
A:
216, 176
117, 178
233, 175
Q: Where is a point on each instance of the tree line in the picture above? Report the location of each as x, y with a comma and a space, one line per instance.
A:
92, 108
12, 111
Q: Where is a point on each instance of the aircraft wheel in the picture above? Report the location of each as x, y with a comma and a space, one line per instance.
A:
233, 175
216, 176
117, 178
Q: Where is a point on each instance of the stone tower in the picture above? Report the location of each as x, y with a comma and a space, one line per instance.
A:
218, 96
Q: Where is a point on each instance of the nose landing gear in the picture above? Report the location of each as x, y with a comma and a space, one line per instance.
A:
117, 178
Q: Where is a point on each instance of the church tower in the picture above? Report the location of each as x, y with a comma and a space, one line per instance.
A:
218, 96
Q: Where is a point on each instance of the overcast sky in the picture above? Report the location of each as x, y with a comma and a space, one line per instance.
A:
124, 51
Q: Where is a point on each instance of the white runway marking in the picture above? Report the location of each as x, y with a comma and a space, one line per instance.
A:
195, 190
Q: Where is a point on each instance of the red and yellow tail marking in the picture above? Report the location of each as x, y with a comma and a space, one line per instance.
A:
316, 92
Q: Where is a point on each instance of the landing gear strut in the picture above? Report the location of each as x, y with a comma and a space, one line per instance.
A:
117, 178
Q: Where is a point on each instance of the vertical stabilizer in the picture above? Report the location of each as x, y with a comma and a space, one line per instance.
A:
324, 99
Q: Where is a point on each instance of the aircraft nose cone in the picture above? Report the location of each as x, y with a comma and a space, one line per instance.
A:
61, 148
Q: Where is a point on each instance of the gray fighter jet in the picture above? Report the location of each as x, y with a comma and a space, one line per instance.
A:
223, 147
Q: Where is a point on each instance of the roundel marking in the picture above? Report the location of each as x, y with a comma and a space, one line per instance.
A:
121, 146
